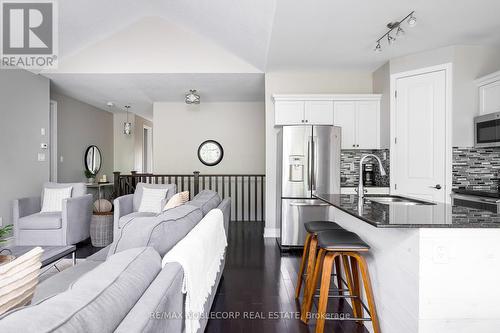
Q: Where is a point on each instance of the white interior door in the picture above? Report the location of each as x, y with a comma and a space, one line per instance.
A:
420, 136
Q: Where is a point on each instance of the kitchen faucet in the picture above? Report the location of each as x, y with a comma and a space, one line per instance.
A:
361, 190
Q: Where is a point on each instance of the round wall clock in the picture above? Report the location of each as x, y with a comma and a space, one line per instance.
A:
210, 152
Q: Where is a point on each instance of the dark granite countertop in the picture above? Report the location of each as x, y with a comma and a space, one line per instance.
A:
435, 215
366, 186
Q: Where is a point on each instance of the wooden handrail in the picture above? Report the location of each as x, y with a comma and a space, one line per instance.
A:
246, 191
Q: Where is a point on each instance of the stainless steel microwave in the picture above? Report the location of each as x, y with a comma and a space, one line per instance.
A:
487, 130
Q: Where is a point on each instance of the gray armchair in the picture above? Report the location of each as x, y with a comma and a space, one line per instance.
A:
72, 225
127, 206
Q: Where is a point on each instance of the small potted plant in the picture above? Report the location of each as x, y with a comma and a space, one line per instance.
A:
5, 258
90, 176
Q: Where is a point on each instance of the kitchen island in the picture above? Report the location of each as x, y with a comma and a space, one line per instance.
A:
434, 267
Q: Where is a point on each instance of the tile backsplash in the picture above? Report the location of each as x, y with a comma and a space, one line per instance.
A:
349, 166
476, 168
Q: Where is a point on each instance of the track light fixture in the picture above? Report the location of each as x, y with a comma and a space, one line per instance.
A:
410, 19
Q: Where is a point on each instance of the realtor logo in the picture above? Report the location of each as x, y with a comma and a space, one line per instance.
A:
29, 38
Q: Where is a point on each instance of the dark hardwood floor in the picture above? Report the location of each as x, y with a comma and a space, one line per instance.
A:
257, 280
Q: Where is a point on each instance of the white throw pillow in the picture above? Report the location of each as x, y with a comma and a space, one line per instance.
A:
53, 198
152, 199
177, 200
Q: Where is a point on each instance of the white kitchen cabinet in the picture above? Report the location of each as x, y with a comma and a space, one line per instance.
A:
297, 112
489, 93
368, 124
289, 112
357, 114
360, 122
345, 117
319, 112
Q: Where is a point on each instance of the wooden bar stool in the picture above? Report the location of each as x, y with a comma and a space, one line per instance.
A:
309, 253
332, 245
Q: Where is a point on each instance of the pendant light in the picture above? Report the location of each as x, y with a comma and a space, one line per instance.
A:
127, 126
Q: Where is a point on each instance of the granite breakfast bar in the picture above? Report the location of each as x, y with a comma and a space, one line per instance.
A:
434, 267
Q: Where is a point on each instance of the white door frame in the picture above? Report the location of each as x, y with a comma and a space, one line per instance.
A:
448, 69
52, 134
150, 147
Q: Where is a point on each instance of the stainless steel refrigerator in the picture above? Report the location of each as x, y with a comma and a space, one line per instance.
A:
308, 163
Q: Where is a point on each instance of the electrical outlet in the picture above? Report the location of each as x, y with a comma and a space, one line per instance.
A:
61, 159
41, 157
42, 131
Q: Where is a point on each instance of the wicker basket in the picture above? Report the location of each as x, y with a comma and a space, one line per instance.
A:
101, 229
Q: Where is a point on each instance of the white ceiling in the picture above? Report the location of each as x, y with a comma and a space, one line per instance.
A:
141, 90
243, 26
341, 34
268, 35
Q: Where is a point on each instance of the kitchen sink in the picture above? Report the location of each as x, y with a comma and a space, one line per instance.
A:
397, 200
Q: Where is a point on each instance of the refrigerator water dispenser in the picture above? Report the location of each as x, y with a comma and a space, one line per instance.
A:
296, 166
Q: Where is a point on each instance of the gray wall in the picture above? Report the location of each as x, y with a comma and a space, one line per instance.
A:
180, 129
80, 125
139, 141
24, 110
124, 145
382, 85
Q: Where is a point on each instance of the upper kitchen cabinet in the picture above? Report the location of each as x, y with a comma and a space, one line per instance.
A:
289, 112
489, 93
294, 110
360, 122
358, 115
319, 112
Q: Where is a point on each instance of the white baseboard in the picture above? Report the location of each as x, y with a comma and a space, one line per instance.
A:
271, 233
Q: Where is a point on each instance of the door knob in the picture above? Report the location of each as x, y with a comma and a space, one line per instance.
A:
437, 187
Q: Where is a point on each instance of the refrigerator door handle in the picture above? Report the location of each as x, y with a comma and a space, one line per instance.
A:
309, 169
314, 165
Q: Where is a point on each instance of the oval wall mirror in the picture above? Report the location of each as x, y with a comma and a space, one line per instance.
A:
93, 159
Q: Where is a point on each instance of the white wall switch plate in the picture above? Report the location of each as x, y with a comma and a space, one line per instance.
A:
61, 159
42, 131
41, 157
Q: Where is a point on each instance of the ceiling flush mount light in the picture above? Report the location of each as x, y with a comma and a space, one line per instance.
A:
400, 32
127, 126
192, 97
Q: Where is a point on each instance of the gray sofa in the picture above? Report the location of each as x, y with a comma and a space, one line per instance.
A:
126, 206
122, 288
72, 225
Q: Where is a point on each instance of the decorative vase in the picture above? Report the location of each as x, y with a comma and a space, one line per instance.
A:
6, 258
103, 206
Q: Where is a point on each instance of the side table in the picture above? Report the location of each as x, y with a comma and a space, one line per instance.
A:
101, 229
